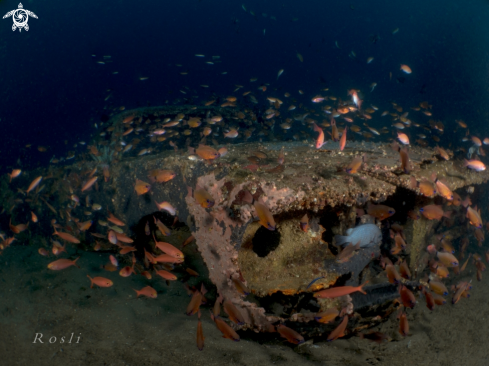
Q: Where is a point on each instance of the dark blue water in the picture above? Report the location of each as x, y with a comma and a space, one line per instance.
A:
53, 90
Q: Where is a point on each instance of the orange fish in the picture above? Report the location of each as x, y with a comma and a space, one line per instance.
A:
434, 212
343, 139
166, 275
334, 131
123, 238
327, 316
147, 291
34, 217
203, 198
403, 324
353, 167
43, 252
162, 176
127, 249
331, 293
240, 287
207, 152
291, 335
168, 249
392, 274
320, 140
167, 207
443, 190
442, 153
18, 228
161, 227
407, 297
427, 188
474, 217
15, 173
438, 287
100, 282
89, 184
34, 184
166, 258
195, 301
84, 226
62, 264
266, 218
225, 329
233, 312
126, 271
339, 331
475, 165
115, 220
141, 187
406, 69
403, 153
403, 138
112, 237
380, 212
66, 236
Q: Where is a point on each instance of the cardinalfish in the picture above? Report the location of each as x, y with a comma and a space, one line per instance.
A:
447, 258
380, 212
264, 215
434, 212
443, 190
204, 198
426, 187
320, 140
326, 316
207, 152
474, 217
353, 167
162, 227
224, 328
339, 331
442, 153
161, 176
166, 206
289, 334
141, 187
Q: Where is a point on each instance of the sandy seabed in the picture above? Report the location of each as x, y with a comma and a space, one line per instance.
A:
116, 328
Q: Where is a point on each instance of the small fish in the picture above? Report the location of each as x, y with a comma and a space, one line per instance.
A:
475, 165
339, 331
115, 220
326, 316
266, 218
162, 227
168, 249
403, 324
334, 131
356, 164
474, 217
66, 236
233, 312
380, 212
89, 184
141, 187
320, 140
403, 138
291, 335
347, 253
406, 69
43, 252
34, 184
161, 175
62, 264
331, 293
100, 282
240, 287
280, 72
204, 198
166, 275
147, 291
200, 331
15, 173
434, 212
166, 206
232, 133
195, 301
343, 139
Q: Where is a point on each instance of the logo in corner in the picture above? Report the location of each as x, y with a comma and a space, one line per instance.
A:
20, 17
